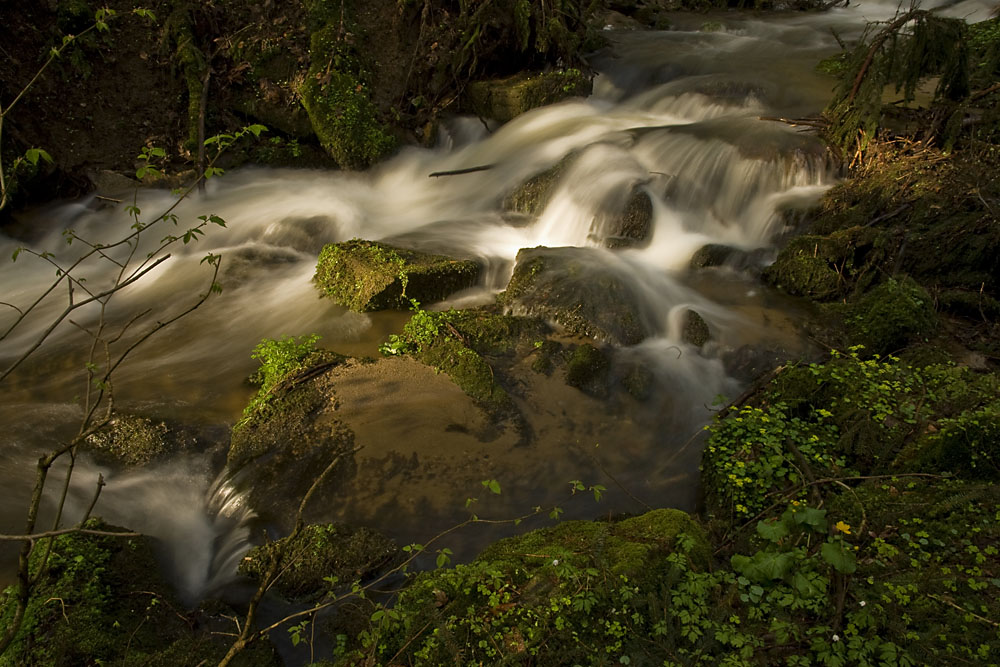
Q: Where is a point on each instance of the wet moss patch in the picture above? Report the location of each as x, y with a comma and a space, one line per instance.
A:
368, 275
558, 595
102, 600
321, 559
507, 98
581, 290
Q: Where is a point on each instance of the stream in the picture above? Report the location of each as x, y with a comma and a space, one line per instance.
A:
675, 113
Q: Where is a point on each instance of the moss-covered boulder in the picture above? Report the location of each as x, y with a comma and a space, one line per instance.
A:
339, 107
828, 267
694, 330
468, 345
507, 98
290, 434
368, 275
545, 597
320, 559
130, 440
890, 316
101, 600
582, 290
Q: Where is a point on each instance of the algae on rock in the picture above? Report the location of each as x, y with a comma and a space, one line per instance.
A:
507, 98
321, 559
368, 275
101, 599
580, 289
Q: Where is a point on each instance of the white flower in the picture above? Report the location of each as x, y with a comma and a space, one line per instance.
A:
555, 562
836, 638
862, 603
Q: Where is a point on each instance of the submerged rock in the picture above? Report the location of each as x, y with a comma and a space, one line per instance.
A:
581, 290
504, 99
321, 559
587, 370
368, 275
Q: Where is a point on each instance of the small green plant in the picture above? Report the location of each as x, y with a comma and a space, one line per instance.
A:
279, 359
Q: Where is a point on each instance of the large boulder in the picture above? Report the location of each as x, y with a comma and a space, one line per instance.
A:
504, 99
368, 275
582, 290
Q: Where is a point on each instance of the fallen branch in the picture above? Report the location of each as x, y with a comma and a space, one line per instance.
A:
458, 172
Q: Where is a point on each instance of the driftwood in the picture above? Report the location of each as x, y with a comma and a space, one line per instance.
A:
457, 172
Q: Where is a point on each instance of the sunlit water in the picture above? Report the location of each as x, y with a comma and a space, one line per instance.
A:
677, 114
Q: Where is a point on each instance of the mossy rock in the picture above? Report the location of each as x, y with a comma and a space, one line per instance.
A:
130, 440
631, 228
341, 111
278, 452
102, 600
507, 98
587, 370
828, 267
545, 594
580, 289
891, 316
469, 370
531, 196
695, 330
321, 552
368, 275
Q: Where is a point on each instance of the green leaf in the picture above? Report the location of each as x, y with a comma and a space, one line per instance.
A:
812, 517
808, 587
256, 129
840, 556
492, 485
17, 251
764, 565
772, 531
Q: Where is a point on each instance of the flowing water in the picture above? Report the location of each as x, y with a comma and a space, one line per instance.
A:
676, 114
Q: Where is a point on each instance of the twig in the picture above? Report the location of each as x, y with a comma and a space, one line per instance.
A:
457, 172
964, 610
66, 531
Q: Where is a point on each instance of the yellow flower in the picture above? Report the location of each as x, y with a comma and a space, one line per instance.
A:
843, 527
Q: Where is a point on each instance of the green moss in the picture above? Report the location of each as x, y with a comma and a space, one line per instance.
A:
102, 600
368, 275
342, 115
562, 595
321, 559
695, 331
469, 370
531, 196
827, 267
587, 369
580, 290
130, 440
504, 99
890, 316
